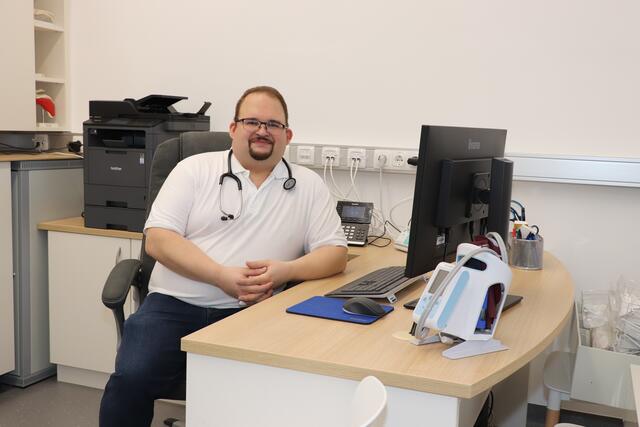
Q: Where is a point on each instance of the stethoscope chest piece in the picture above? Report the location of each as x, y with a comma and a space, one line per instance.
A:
289, 183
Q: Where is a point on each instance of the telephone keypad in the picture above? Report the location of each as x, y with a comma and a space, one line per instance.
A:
355, 233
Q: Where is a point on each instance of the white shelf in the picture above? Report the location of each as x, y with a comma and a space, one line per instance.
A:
47, 126
46, 26
46, 79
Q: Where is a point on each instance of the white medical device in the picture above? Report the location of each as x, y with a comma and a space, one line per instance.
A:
435, 281
455, 306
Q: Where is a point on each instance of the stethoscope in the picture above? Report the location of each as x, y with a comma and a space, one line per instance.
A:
289, 183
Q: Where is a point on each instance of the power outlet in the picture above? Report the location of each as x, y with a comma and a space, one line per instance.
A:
381, 159
41, 141
305, 155
408, 155
398, 160
331, 156
357, 154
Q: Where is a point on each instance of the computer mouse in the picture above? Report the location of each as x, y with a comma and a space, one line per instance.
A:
364, 306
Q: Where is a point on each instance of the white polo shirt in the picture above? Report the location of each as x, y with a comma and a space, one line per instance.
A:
271, 223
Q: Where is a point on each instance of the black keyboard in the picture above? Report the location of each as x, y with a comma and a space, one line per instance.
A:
382, 283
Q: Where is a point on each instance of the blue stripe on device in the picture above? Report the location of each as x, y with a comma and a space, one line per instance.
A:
460, 285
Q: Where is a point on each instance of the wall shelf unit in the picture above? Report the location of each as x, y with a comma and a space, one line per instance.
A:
51, 63
36, 46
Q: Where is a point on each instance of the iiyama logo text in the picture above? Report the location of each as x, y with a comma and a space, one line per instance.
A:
115, 168
474, 145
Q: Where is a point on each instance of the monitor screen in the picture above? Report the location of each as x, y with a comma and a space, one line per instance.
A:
462, 188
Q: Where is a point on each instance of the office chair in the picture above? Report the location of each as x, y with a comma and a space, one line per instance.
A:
136, 273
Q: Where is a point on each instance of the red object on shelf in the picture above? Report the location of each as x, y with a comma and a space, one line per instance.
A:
46, 102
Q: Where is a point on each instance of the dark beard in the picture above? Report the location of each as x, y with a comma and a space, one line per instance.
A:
260, 156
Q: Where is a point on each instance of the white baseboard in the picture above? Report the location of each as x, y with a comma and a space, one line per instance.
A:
84, 377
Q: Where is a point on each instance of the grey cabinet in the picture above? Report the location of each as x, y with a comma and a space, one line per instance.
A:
40, 190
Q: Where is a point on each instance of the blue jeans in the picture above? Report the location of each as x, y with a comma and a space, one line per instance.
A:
149, 363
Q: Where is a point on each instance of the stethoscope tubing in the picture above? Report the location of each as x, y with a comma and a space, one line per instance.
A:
289, 184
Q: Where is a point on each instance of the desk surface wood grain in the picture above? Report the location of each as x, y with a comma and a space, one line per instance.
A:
14, 157
76, 225
266, 334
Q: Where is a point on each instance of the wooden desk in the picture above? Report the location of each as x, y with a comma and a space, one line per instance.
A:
265, 358
14, 157
76, 225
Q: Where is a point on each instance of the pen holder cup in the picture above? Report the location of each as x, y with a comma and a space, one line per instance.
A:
526, 254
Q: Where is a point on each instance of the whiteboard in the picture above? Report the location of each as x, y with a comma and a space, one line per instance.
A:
561, 76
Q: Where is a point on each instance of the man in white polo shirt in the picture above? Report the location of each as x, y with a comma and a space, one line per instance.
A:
228, 229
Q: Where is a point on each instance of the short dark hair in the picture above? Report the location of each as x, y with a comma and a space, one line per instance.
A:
272, 92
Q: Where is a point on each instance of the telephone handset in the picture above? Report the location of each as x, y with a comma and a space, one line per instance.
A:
356, 217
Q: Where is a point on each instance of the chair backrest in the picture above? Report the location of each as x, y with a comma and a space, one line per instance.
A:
166, 157
369, 403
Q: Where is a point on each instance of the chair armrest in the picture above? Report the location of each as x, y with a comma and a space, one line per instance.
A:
121, 278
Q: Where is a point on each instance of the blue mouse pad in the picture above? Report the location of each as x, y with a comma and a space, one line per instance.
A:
331, 308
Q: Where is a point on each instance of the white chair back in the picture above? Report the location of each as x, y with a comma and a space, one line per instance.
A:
369, 404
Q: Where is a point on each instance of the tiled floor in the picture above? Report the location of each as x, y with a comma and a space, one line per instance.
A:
53, 404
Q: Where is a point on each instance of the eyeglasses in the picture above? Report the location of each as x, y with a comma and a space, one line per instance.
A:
252, 125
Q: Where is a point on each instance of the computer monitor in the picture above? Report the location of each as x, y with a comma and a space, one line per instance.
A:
463, 187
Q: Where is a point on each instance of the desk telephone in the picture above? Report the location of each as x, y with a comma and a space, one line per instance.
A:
356, 217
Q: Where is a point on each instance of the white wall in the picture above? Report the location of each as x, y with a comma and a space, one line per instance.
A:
562, 77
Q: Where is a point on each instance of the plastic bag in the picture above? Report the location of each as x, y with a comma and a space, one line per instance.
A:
602, 337
627, 336
612, 318
626, 297
625, 306
595, 309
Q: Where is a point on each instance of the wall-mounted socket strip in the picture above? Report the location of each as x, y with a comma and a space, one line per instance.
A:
357, 154
392, 160
306, 155
329, 153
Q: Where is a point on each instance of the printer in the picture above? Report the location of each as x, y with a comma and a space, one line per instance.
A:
120, 139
